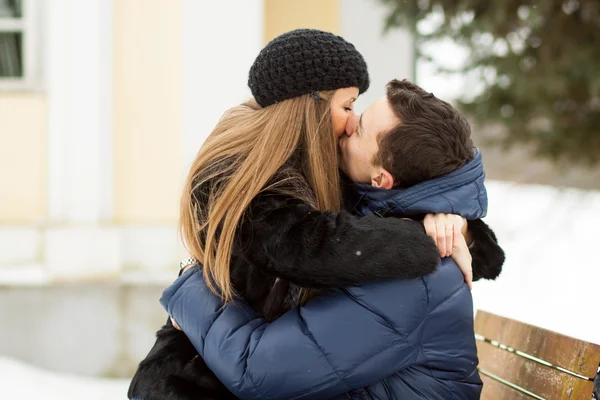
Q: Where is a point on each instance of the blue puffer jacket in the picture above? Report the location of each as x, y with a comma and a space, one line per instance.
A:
400, 339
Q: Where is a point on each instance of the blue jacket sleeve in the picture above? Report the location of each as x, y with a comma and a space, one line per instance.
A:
305, 354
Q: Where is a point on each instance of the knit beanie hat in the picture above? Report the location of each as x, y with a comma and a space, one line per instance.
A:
304, 61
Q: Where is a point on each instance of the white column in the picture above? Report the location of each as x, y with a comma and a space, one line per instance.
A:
221, 39
78, 66
388, 56
78, 63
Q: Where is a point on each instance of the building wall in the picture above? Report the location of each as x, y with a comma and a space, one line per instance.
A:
131, 93
216, 60
101, 329
23, 158
388, 56
282, 16
147, 110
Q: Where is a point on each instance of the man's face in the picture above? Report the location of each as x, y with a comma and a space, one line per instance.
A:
359, 145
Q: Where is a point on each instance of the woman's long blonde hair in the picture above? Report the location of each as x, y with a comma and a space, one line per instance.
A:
249, 147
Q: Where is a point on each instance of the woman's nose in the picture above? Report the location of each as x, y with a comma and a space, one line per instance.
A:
351, 125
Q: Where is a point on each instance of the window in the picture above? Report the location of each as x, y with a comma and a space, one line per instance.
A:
16, 67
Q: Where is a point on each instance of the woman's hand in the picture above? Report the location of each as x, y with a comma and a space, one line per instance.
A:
462, 257
185, 265
445, 229
448, 231
175, 324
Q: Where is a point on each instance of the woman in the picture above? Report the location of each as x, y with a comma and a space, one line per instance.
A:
261, 208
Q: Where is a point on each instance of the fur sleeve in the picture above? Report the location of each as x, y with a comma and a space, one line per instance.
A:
318, 249
488, 256
174, 370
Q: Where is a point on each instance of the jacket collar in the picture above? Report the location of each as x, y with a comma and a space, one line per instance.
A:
460, 192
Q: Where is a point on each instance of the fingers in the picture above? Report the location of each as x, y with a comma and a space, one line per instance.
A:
175, 325
456, 238
445, 230
449, 230
458, 223
462, 257
469, 278
445, 234
467, 271
470, 281
441, 238
430, 227
429, 224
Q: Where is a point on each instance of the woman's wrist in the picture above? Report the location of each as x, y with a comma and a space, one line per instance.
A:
187, 264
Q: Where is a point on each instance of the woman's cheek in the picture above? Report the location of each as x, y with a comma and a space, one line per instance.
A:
338, 128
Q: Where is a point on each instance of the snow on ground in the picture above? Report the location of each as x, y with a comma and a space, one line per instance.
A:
551, 278
20, 381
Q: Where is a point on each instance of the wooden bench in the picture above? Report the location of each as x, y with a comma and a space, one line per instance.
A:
520, 361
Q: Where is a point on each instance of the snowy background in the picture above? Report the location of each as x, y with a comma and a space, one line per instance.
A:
552, 272
20, 381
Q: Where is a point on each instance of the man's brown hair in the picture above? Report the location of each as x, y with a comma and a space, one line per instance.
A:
431, 140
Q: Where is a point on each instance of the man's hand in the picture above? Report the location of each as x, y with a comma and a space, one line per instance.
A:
446, 230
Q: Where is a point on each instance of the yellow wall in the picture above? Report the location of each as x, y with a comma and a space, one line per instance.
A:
147, 113
284, 15
23, 132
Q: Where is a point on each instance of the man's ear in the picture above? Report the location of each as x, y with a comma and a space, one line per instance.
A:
383, 179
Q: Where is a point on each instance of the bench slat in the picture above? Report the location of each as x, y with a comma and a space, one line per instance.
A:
564, 351
494, 390
536, 378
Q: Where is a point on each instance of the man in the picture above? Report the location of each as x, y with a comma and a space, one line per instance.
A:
396, 339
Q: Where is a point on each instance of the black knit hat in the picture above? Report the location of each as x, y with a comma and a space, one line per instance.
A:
303, 61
